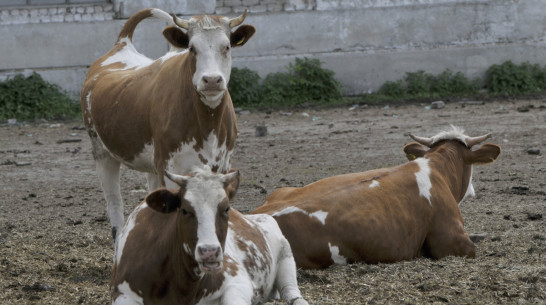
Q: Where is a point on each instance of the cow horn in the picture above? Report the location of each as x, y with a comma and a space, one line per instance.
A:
178, 179
237, 20
185, 24
471, 141
425, 141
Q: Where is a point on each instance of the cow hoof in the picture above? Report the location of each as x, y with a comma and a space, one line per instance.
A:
299, 301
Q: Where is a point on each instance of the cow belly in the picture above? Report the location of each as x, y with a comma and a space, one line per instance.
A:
143, 161
218, 157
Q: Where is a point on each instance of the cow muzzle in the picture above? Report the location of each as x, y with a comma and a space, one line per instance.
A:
209, 258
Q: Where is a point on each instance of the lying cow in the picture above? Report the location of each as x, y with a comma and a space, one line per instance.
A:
188, 247
385, 215
172, 113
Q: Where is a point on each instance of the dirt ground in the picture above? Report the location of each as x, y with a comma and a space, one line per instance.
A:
55, 244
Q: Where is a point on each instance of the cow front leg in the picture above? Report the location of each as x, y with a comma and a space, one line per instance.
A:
286, 281
108, 170
449, 238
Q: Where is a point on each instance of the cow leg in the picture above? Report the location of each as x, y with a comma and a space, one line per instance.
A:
286, 281
449, 238
153, 181
108, 170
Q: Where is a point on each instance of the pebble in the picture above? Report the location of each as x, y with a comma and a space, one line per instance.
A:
533, 151
261, 130
477, 237
437, 105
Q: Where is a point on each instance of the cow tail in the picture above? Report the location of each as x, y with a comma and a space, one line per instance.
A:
131, 24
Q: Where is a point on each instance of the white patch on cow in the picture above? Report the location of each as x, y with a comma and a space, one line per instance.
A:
187, 249
470, 189
336, 257
122, 239
171, 54
186, 157
128, 296
88, 102
319, 215
423, 178
374, 183
143, 161
128, 56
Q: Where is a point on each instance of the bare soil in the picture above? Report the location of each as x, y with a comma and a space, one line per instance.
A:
55, 244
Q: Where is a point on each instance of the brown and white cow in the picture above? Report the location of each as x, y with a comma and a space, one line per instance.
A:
388, 214
187, 246
171, 113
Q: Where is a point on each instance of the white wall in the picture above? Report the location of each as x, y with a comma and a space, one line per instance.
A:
366, 42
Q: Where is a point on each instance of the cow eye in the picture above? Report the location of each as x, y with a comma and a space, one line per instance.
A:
227, 210
184, 212
192, 49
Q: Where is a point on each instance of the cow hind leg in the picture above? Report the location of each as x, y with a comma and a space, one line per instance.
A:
108, 169
286, 282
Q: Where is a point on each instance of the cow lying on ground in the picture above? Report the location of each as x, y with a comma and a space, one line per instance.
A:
188, 247
171, 113
385, 215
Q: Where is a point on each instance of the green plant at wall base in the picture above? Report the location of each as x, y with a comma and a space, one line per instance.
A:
244, 87
304, 82
28, 98
425, 85
511, 79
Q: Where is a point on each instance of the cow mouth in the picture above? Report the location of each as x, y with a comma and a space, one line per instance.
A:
209, 267
212, 92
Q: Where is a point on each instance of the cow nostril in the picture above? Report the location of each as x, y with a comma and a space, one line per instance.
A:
219, 80
205, 80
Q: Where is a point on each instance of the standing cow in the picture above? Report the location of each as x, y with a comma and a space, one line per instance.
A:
171, 113
389, 214
188, 247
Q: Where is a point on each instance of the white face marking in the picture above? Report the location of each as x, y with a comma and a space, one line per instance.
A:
204, 195
374, 183
423, 178
212, 60
319, 215
122, 239
128, 56
128, 296
336, 257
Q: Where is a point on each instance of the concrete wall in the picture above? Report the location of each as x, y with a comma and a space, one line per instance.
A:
366, 42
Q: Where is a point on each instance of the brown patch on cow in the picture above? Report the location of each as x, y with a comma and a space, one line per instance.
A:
203, 159
245, 233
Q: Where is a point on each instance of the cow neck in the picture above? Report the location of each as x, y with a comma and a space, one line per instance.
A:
190, 284
448, 159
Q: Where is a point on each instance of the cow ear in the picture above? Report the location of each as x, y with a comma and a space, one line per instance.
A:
486, 154
240, 36
231, 184
414, 150
163, 201
176, 37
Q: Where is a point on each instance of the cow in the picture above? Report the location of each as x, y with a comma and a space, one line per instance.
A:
172, 113
186, 246
389, 214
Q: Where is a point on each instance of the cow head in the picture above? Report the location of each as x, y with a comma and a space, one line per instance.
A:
209, 40
462, 145
202, 207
